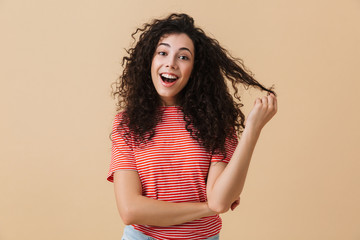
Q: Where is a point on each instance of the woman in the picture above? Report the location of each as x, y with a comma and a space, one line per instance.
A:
176, 160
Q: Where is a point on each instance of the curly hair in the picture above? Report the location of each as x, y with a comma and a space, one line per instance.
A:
211, 113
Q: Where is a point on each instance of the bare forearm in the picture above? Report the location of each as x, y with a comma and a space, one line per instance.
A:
137, 209
147, 211
230, 182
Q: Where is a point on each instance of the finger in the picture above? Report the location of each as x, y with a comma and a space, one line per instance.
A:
257, 101
271, 101
264, 101
234, 205
275, 102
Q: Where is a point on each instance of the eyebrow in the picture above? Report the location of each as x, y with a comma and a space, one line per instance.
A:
183, 48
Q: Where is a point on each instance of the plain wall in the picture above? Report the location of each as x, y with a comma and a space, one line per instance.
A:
59, 58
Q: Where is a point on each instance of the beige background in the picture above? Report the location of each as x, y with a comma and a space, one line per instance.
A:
58, 59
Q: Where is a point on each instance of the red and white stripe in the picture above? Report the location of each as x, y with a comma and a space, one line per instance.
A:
172, 167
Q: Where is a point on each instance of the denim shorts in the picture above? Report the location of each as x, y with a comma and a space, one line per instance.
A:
130, 233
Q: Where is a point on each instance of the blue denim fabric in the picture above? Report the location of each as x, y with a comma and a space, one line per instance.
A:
130, 233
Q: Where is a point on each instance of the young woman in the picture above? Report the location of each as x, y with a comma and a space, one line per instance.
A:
177, 162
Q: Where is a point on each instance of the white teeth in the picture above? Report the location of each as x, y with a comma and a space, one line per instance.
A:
168, 76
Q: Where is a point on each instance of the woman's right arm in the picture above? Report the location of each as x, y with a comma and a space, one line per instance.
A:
137, 209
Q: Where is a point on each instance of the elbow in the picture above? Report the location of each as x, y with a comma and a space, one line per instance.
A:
218, 207
127, 216
127, 221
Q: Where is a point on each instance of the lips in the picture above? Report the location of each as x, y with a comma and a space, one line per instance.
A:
168, 79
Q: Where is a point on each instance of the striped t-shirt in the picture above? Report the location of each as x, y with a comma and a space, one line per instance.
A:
172, 167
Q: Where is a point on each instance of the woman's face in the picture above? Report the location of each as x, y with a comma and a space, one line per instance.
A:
171, 66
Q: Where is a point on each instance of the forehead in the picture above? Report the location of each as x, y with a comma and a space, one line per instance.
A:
177, 41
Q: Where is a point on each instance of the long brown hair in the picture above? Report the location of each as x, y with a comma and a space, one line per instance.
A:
211, 113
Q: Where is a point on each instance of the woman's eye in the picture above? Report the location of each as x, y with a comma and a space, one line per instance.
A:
162, 53
184, 57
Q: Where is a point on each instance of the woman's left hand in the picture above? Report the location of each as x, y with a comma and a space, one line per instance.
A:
264, 109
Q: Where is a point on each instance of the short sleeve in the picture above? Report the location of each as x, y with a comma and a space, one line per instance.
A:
230, 145
122, 156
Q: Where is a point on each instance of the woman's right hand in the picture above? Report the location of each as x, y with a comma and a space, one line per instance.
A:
264, 109
235, 204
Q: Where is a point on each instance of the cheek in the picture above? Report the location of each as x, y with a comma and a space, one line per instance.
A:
188, 71
153, 68
187, 74
154, 63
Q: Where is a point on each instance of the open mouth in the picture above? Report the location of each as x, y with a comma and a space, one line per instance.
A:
168, 78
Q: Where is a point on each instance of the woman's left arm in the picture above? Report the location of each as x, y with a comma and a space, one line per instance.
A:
226, 181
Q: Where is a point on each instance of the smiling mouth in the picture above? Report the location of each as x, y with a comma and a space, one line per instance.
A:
168, 78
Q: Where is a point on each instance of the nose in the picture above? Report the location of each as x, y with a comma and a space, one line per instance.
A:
171, 63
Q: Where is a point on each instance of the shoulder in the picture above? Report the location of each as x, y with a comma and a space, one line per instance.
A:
120, 123
119, 116
120, 119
